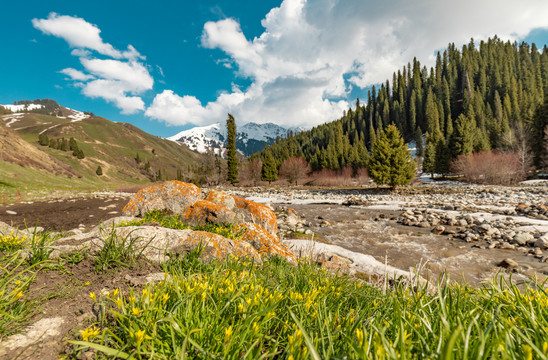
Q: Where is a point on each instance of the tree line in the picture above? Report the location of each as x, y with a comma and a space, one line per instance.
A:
480, 97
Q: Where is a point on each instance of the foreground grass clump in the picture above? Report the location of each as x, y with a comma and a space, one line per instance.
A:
237, 309
15, 278
172, 221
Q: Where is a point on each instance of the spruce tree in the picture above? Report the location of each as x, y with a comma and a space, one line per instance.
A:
390, 161
231, 149
269, 171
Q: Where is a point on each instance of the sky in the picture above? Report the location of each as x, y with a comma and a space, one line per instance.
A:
166, 66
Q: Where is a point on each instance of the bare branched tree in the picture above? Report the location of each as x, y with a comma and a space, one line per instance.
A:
294, 169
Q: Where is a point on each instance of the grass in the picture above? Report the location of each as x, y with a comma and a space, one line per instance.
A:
171, 221
15, 278
117, 251
237, 309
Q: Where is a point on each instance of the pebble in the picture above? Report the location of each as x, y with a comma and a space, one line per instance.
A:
11, 212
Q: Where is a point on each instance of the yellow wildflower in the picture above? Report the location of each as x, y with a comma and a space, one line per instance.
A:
89, 333
136, 311
228, 333
93, 296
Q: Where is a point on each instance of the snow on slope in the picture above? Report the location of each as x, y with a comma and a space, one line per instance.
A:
22, 107
201, 138
249, 137
76, 115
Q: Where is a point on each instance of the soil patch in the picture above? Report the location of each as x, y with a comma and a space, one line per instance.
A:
66, 214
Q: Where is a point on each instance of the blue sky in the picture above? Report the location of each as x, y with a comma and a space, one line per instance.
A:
166, 66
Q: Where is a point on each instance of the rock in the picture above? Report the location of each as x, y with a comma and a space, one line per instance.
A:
542, 242
325, 223
256, 213
157, 242
204, 211
39, 331
438, 230
11, 212
264, 242
424, 224
174, 196
221, 198
508, 264
484, 228
522, 238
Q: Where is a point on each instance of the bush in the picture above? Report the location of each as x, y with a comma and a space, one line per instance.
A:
489, 167
99, 170
327, 177
294, 169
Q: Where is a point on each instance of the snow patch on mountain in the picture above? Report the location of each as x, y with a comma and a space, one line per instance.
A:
22, 107
250, 137
76, 115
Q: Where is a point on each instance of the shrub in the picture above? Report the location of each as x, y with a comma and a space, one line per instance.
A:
489, 167
294, 169
327, 177
251, 171
99, 170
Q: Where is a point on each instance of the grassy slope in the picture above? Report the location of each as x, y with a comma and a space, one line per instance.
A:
111, 145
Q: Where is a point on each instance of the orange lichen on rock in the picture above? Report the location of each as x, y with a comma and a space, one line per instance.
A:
264, 242
221, 198
174, 196
204, 211
257, 213
215, 246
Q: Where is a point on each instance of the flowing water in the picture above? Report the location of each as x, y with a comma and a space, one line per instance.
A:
404, 247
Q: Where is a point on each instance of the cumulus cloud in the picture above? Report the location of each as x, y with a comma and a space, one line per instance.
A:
117, 79
312, 53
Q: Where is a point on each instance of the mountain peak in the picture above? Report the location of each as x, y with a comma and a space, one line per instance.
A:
250, 137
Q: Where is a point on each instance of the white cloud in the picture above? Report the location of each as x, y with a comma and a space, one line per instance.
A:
299, 63
76, 74
115, 92
77, 32
115, 79
132, 75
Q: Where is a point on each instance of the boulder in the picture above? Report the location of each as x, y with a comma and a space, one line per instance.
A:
221, 198
438, 230
204, 211
508, 264
174, 196
522, 238
155, 243
256, 213
263, 241
542, 242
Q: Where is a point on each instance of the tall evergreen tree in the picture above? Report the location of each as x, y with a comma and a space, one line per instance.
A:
269, 171
232, 160
390, 161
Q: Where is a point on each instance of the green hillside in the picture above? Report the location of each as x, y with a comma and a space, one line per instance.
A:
126, 154
483, 96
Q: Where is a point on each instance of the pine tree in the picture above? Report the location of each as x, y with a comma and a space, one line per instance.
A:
462, 142
390, 161
269, 171
231, 148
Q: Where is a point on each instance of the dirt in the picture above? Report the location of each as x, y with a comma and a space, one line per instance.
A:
66, 214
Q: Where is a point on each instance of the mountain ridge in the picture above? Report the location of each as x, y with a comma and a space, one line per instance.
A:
250, 137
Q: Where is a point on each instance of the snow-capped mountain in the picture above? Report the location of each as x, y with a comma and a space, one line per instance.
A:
250, 137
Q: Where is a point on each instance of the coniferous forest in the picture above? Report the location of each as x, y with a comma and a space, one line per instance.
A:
480, 97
